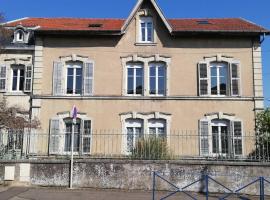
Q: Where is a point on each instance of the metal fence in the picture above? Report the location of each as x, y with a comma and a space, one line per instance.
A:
115, 144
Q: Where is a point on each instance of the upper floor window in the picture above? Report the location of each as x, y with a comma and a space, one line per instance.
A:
20, 36
146, 30
135, 79
74, 78
157, 79
219, 79
17, 77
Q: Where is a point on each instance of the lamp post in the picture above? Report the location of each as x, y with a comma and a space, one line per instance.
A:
74, 113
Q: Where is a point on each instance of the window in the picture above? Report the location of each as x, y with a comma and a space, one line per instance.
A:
134, 131
157, 79
19, 36
134, 79
17, 77
146, 30
68, 135
219, 79
60, 136
221, 137
74, 78
157, 127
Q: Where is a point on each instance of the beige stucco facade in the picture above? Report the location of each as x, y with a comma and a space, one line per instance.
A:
182, 101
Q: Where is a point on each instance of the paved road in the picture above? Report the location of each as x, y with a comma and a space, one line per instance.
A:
20, 193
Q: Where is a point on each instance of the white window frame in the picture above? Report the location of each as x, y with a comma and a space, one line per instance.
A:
218, 66
19, 35
19, 68
157, 66
221, 59
220, 123
75, 66
135, 66
132, 123
156, 124
146, 20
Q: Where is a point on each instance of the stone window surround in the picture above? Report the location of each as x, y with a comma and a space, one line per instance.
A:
144, 117
224, 116
222, 58
67, 114
74, 58
8, 62
145, 60
25, 32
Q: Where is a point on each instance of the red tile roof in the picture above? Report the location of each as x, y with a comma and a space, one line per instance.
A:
223, 24
178, 25
68, 24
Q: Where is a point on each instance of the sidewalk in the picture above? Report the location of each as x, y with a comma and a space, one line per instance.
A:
24, 193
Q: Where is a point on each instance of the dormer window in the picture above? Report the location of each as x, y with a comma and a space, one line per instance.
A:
146, 30
19, 36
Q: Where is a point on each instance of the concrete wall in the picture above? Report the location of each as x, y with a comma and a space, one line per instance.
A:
128, 175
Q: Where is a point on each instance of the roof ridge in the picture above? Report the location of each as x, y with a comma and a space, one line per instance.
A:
75, 18
204, 18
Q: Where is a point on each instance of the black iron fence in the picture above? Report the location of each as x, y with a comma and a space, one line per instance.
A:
115, 144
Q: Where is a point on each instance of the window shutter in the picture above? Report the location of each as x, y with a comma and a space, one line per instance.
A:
235, 79
204, 137
57, 78
28, 78
86, 137
203, 79
3, 78
88, 78
55, 137
237, 128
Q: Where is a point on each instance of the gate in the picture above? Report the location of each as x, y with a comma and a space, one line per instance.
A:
206, 179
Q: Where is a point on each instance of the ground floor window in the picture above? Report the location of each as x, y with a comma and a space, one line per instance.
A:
221, 137
134, 130
61, 133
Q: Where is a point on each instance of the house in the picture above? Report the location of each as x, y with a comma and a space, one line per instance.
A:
144, 75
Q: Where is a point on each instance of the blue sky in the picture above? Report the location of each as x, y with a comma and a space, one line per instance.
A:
256, 11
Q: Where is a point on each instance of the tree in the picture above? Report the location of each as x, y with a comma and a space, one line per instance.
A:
5, 34
262, 150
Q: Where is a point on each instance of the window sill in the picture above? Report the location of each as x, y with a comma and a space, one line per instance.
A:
145, 44
15, 94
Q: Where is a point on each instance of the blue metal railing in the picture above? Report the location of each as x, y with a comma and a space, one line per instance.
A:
206, 179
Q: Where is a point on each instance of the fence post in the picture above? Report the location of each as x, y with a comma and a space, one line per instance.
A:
154, 186
261, 188
206, 186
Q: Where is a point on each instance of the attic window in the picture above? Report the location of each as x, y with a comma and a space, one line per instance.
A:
95, 25
203, 22
19, 36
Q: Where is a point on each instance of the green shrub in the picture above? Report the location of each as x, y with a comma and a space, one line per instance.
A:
151, 148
